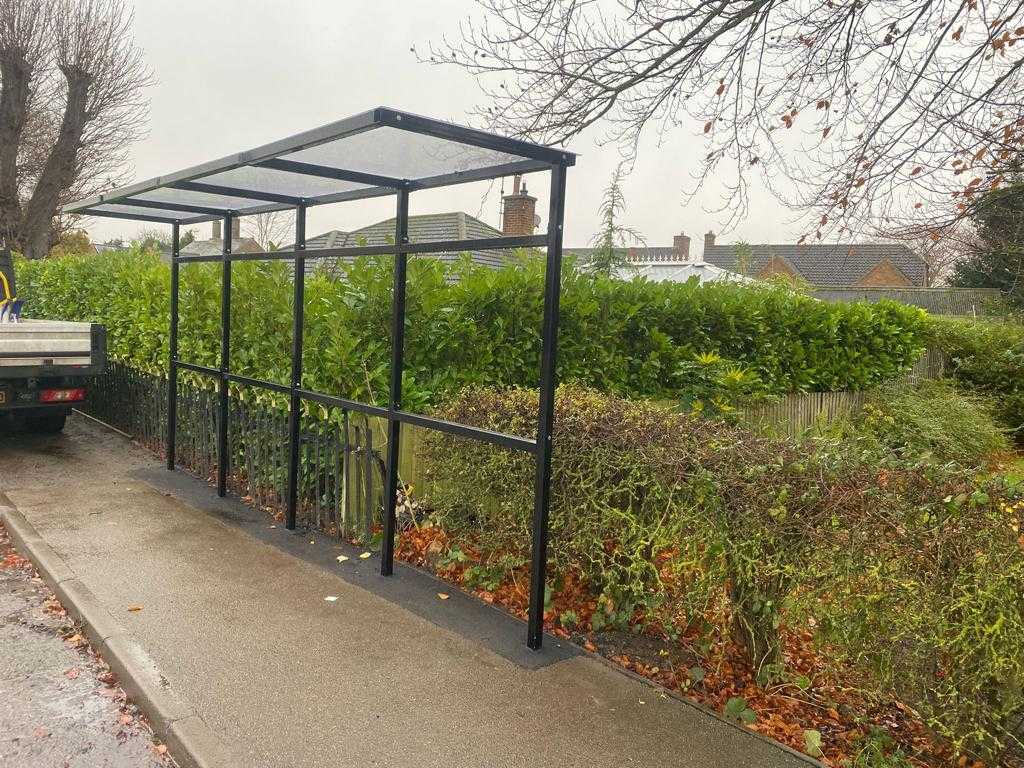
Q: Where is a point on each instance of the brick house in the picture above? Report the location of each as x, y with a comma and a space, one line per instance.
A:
862, 265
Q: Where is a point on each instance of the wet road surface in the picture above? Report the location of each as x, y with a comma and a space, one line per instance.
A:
60, 706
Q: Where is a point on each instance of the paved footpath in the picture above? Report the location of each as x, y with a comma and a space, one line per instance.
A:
233, 612
60, 706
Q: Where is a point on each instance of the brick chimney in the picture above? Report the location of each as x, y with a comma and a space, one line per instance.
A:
709, 240
519, 212
681, 245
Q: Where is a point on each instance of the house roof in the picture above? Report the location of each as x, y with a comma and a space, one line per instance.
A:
662, 264
681, 271
426, 228
638, 254
825, 265
215, 246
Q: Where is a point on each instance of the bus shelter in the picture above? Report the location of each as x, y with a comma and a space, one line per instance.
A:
378, 153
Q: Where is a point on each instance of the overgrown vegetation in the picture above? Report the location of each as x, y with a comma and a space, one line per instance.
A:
931, 421
473, 326
910, 571
987, 357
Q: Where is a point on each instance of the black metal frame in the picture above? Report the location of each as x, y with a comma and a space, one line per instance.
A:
534, 158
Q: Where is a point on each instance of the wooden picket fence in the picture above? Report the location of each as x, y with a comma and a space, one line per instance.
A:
796, 412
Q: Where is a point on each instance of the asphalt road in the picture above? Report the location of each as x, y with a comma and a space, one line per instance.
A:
60, 706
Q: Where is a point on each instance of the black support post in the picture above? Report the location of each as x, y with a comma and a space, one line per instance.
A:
295, 403
172, 365
387, 552
546, 412
225, 360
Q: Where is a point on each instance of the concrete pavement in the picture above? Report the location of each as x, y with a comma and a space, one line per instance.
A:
234, 614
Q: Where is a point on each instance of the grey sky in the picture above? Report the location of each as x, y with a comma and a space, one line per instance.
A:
234, 74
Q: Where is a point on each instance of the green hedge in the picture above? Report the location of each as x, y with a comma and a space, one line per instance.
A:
469, 325
987, 356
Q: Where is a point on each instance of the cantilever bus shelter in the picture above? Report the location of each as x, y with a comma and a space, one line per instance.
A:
377, 153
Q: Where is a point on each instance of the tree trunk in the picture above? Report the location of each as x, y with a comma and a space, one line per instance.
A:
14, 95
754, 626
60, 170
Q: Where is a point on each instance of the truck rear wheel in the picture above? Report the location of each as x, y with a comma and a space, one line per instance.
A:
48, 424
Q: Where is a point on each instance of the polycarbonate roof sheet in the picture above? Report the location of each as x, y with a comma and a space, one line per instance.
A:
157, 214
400, 154
372, 154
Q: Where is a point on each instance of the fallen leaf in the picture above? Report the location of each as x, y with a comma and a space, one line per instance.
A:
331, 598
443, 595
40, 732
342, 558
76, 641
72, 673
365, 556
160, 749
134, 608
126, 719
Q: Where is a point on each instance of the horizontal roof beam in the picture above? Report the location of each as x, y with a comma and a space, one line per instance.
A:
134, 216
201, 209
327, 172
217, 189
433, 246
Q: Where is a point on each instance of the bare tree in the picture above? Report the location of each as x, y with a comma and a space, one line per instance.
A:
270, 229
24, 48
856, 113
84, 108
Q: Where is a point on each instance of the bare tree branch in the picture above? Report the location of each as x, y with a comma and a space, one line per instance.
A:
269, 229
859, 114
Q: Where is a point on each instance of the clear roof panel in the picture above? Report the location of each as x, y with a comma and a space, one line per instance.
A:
373, 153
401, 154
188, 197
280, 182
156, 214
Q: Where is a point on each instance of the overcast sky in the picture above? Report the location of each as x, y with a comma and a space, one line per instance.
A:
234, 74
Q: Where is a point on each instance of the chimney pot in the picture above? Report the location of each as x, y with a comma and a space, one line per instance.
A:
681, 245
709, 240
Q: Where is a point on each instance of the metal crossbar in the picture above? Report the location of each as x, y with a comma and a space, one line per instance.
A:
433, 246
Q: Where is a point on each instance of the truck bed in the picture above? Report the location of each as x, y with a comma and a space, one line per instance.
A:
34, 348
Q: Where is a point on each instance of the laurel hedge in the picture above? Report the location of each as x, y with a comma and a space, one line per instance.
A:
470, 325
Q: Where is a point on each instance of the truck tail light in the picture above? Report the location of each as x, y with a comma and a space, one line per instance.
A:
72, 395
